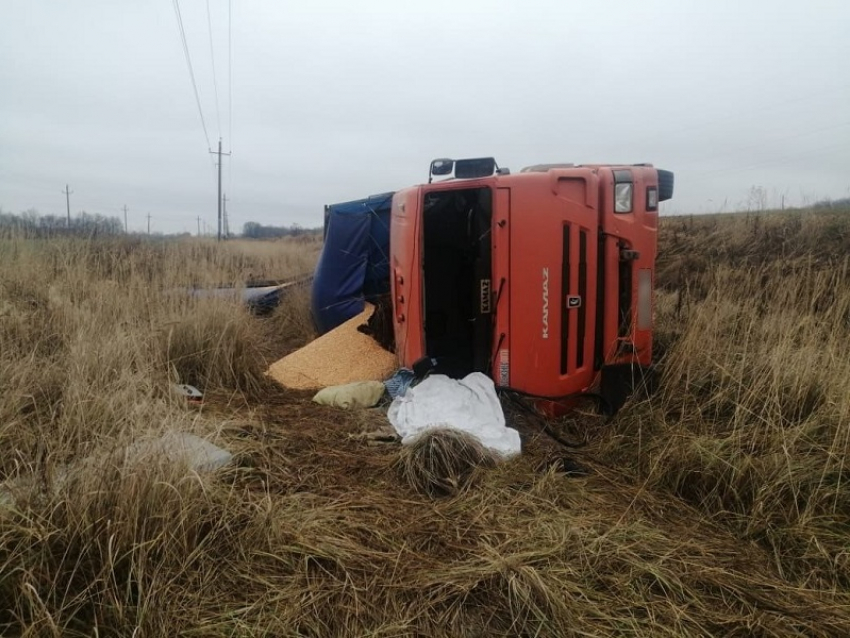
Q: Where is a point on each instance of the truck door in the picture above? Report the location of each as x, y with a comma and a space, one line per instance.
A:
629, 248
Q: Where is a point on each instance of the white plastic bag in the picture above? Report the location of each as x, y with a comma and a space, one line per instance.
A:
469, 405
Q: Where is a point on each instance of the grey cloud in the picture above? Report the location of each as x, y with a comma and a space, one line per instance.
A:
337, 100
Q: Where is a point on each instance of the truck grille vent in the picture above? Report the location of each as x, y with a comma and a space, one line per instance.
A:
625, 298
582, 293
562, 302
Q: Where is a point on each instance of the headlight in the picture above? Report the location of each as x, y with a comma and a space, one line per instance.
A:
623, 197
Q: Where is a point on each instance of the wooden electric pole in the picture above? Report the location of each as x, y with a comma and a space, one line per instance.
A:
68, 202
126, 231
219, 153
199, 225
149, 223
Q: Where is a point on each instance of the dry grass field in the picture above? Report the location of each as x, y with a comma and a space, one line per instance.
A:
718, 505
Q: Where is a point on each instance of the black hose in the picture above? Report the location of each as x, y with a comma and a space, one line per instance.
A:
517, 399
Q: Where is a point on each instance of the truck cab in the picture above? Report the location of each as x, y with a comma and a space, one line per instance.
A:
542, 279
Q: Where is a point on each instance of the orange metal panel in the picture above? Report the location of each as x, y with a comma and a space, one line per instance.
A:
547, 231
406, 274
501, 238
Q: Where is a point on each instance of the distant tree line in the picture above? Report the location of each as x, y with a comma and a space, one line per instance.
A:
844, 202
34, 223
85, 224
253, 230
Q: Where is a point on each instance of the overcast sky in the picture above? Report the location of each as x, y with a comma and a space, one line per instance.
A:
331, 101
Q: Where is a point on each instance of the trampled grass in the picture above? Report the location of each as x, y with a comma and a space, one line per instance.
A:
716, 506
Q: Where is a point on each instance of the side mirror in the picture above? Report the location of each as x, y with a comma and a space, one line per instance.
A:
472, 168
665, 185
442, 167
465, 168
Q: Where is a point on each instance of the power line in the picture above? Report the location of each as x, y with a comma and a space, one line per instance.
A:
191, 71
212, 57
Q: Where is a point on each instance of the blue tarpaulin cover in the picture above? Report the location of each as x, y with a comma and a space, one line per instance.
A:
354, 264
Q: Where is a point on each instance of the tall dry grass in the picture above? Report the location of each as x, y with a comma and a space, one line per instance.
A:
752, 420
93, 333
712, 508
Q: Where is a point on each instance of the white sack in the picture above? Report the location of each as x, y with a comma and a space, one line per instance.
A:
469, 405
360, 394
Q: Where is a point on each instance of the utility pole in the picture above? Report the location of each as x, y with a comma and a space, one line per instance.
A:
68, 202
126, 231
199, 225
219, 153
149, 223
226, 224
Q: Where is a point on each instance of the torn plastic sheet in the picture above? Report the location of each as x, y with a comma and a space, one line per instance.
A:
259, 299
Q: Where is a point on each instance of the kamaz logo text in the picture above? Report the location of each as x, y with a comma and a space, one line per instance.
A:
545, 303
485, 297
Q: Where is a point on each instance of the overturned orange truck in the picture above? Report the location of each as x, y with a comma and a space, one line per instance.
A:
541, 279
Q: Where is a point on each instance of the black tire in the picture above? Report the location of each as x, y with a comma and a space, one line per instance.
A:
665, 185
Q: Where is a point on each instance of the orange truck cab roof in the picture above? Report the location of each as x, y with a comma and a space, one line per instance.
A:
541, 279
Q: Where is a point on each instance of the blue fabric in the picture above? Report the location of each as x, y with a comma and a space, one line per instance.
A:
354, 264
399, 383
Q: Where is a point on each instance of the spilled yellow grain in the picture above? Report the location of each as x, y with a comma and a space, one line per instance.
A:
343, 355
